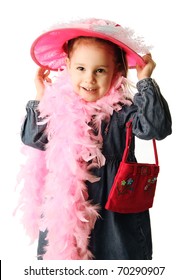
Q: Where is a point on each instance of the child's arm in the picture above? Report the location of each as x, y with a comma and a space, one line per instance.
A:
152, 118
33, 133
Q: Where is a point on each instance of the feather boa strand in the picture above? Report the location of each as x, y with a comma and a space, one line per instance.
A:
55, 195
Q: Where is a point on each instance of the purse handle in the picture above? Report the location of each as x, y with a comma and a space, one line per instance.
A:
128, 143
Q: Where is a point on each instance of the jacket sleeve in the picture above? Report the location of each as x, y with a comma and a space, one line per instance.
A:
152, 118
32, 133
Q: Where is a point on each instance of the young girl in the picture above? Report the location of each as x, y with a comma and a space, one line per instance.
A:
77, 125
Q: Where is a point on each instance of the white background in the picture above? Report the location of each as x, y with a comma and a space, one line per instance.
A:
163, 24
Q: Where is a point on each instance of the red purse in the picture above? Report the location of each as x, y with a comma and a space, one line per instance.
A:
134, 185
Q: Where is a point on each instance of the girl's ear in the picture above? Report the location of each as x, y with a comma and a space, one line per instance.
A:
67, 61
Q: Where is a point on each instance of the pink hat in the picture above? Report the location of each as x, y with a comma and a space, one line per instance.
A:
47, 50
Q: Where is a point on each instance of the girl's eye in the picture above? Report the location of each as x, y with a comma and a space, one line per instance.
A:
100, 70
80, 68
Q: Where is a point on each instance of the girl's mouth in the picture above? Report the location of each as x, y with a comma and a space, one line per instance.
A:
89, 90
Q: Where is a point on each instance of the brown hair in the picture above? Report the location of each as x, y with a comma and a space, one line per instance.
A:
119, 54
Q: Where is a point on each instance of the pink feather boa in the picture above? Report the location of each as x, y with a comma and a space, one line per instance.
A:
55, 195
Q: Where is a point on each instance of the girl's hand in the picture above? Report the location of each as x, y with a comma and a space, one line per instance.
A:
146, 71
41, 76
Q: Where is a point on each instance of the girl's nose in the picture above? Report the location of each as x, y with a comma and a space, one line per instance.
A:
90, 78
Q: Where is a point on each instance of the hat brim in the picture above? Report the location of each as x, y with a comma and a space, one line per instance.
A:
47, 50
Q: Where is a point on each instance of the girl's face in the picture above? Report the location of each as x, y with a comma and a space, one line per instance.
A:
92, 69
